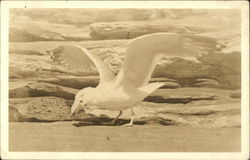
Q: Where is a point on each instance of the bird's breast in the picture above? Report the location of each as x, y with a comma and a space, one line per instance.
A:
116, 99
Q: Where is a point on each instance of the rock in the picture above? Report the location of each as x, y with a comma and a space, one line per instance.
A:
233, 45
180, 68
26, 60
99, 47
225, 68
23, 66
34, 25
15, 115
190, 94
128, 30
36, 89
231, 38
169, 83
39, 109
79, 82
83, 17
165, 96
199, 114
20, 35
236, 94
231, 60
73, 81
25, 30
25, 52
162, 79
184, 100
185, 72
181, 95
203, 82
216, 66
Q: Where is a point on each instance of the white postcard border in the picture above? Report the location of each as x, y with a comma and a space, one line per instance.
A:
243, 5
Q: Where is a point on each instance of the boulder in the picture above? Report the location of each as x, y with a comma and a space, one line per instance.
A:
186, 106
128, 30
26, 66
84, 17
230, 60
181, 95
39, 109
203, 82
68, 25
199, 114
231, 38
25, 30
36, 89
73, 81
25, 52
101, 48
15, 115
223, 68
21, 35
30, 61
167, 95
162, 79
180, 68
79, 82
236, 94
169, 83
205, 113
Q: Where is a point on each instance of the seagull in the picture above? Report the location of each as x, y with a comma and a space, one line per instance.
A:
131, 85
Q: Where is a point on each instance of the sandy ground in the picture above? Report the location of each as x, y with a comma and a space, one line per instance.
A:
65, 137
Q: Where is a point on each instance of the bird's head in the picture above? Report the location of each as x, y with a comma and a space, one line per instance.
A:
82, 100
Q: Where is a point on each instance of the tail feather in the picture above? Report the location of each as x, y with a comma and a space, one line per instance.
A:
151, 87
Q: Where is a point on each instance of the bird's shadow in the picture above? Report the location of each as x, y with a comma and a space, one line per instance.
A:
106, 121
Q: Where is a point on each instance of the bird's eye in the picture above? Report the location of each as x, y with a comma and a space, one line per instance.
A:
81, 101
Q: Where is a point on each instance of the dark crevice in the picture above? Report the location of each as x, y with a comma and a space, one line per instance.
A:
160, 99
194, 114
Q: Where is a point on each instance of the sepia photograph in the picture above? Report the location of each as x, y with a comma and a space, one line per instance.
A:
110, 80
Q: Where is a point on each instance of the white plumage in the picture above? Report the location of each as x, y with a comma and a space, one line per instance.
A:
130, 86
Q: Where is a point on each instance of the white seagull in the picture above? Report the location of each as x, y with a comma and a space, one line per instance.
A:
131, 85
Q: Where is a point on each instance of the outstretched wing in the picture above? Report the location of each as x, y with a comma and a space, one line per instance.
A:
144, 52
78, 59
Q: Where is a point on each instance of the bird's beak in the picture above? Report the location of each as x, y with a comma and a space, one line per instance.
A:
76, 107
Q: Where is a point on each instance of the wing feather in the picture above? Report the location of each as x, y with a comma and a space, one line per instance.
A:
144, 52
80, 59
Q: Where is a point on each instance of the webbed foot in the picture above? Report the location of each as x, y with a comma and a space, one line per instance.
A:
128, 125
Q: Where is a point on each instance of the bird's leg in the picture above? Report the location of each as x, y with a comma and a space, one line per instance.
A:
113, 122
130, 124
